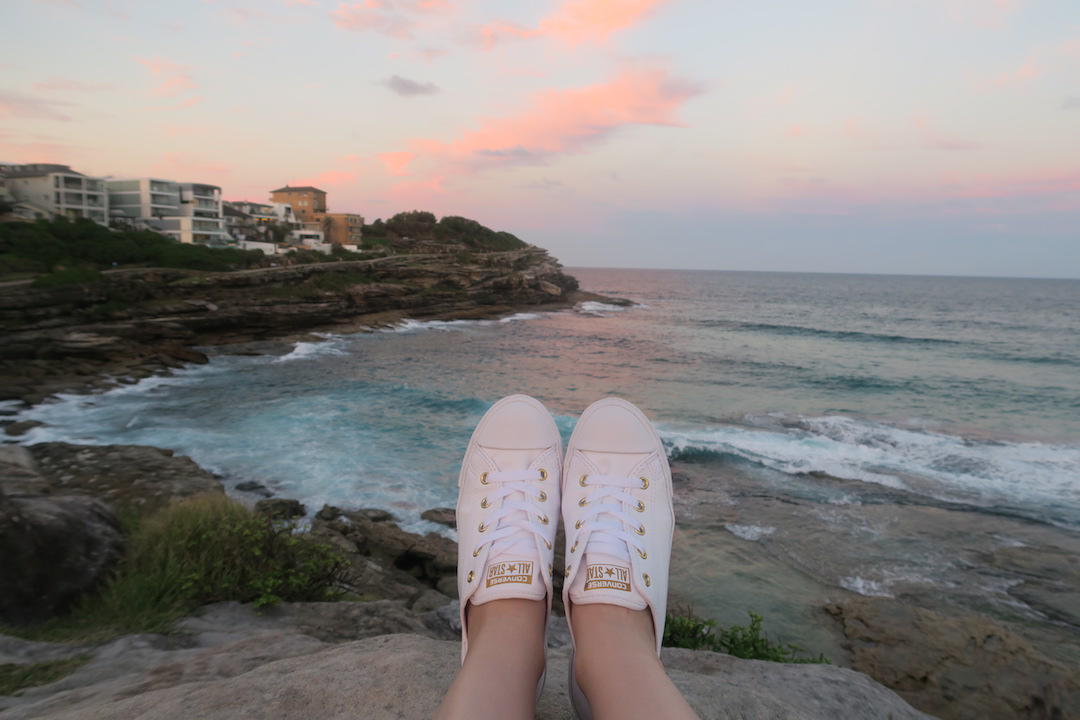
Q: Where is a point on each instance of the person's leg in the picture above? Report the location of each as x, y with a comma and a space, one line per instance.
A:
504, 663
617, 667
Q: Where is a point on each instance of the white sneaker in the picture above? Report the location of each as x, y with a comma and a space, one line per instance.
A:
618, 517
508, 505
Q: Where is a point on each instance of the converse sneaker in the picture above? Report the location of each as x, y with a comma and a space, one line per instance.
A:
508, 504
618, 517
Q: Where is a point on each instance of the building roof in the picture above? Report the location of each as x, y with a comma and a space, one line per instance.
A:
300, 188
229, 210
37, 170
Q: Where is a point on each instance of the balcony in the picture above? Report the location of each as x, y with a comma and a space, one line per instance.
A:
72, 183
74, 198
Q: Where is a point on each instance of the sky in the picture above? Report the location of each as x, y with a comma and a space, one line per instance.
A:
879, 136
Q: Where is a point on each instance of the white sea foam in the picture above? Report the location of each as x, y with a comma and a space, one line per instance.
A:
519, 316
950, 467
307, 350
862, 586
591, 307
749, 532
412, 326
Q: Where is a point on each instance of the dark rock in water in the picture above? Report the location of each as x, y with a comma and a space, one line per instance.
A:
328, 513
53, 547
372, 514
957, 666
136, 477
22, 427
281, 508
254, 487
443, 516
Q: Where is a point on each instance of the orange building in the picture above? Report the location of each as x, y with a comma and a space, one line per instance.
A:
308, 203
343, 228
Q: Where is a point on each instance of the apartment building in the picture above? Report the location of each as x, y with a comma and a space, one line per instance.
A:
188, 212
50, 190
343, 228
308, 203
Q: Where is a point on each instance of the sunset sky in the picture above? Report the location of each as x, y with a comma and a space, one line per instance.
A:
896, 136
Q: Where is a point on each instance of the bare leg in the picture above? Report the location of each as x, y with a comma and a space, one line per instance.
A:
617, 667
505, 660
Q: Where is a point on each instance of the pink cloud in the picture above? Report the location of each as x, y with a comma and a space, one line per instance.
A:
190, 168
557, 122
983, 13
306, 3
397, 163
797, 131
396, 18
1017, 77
348, 171
17, 105
173, 79
577, 21
58, 84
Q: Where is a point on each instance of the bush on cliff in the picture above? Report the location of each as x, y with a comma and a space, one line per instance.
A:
47, 245
451, 229
201, 550
743, 641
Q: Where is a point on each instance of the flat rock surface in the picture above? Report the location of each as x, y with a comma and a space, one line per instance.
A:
233, 663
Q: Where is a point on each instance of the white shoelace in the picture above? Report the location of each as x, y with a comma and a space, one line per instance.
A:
508, 528
611, 519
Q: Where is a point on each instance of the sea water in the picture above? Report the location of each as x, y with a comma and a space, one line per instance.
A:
830, 387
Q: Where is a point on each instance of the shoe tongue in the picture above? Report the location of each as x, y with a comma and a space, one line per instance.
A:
604, 578
511, 575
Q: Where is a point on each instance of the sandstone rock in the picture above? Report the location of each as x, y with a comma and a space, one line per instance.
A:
53, 549
281, 508
136, 477
443, 516
962, 666
292, 676
254, 487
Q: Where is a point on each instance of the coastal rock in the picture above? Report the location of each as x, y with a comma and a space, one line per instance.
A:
443, 516
960, 666
256, 488
21, 427
53, 549
277, 671
281, 508
135, 477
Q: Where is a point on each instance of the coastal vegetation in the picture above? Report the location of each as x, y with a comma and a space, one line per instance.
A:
19, 676
743, 641
202, 550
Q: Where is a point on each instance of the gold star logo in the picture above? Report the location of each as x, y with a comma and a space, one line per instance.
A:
610, 572
511, 568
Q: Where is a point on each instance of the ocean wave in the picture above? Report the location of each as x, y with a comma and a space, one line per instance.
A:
591, 307
862, 586
848, 335
306, 350
946, 467
749, 532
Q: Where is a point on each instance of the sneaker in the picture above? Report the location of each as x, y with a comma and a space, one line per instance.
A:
508, 505
618, 517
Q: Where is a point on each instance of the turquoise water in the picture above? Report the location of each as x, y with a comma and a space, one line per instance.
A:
962, 389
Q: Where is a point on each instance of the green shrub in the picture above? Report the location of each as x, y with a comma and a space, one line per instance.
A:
15, 677
68, 276
742, 641
201, 550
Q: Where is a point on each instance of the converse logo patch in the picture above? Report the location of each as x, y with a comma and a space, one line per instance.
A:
520, 571
607, 577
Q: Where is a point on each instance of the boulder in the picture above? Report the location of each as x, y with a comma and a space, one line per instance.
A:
955, 666
54, 548
442, 516
21, 427
281, 508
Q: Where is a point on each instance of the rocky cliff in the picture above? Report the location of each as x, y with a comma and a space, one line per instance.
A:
131, 322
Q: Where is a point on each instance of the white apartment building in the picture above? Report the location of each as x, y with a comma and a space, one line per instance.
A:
188, 212
57, 191
266, 212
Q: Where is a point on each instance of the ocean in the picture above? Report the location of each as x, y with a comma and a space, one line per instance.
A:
817, 422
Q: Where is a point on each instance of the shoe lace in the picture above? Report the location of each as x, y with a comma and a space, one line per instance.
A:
608, 522
508, 528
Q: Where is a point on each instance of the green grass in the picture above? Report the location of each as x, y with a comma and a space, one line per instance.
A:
68, 276
14, 678
742, 641
201, 550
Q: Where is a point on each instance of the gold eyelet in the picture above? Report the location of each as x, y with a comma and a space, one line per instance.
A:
567, 571
640, 530
582, 502
543, 475
544, 519
483, 528
476, 552
484, 503
548, 544
647, 579
582, 482
644, 483
551, 568
543, 496
574, 549
470, 576
578, 524
640, 506
642, 554
483, 479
